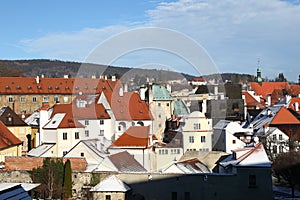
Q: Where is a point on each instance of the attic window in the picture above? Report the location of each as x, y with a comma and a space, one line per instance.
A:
29, 87
103, 88
119, 100
86, 87
39, 87
56, 87
7, 87
18, 87
67, 87
50, 87
140, 111
121, 111
76, 88
54, 122
95, 88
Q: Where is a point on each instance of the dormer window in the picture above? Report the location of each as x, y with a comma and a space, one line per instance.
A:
7, 87
18, 87
57, 87
39, 87
76, 88
95, 88
86, 87
29, 87
50, 87
67, 87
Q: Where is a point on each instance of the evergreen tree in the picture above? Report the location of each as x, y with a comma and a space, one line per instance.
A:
67, 180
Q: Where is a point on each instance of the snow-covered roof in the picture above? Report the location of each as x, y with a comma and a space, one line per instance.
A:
111, 184
40, 150
55, 121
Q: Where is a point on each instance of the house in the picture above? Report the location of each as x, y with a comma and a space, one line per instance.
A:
197, 133
10, 145
294, 104
26, 94
137, 141
224, 138
110, 188
17, 126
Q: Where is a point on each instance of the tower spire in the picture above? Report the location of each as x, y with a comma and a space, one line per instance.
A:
258, 72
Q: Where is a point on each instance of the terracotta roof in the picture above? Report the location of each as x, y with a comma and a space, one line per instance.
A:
284, 117
251, 101
91, 111
10, 118
129, 107
295, 89
62, 120
268, 87
7, 138
26, 85
134, 136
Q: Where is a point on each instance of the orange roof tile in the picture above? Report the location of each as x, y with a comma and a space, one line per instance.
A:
134, 136
26, 85
295, 89
251, 101
268, 87
7, 138
129, 107
92, 111
284, 117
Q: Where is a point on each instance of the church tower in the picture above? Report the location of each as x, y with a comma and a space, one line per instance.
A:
258, 74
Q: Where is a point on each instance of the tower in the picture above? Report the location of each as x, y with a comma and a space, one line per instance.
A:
258, 73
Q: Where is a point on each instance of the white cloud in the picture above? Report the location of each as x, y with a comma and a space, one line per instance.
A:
235, 34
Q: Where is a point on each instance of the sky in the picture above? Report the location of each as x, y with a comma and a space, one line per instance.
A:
232, 35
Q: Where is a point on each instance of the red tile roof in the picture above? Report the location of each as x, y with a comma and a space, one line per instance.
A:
129, 107
7, 138
268, 87
67, 121
91, 111
284, 117
26, 85
293, 102
134, 136
251, 101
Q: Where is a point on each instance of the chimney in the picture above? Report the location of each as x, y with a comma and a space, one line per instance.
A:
269, 100
125, 87
66, 76
93, 76
113, 78
121, 92
142, 93
296, 106
216, 89
37, 79
43, 75
105, 77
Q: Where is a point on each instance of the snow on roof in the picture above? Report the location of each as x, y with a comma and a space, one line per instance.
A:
55, 121
111, 184
26, 186
40, 150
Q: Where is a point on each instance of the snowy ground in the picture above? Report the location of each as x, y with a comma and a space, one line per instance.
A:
282, 192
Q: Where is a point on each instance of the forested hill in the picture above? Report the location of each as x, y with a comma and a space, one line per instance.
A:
56, 68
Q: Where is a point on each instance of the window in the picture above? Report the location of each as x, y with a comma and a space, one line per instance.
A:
86, 122
101, 133
274, 149
197, 126
233, 141
22, 99
76, 135
66, 99
202, 139
274, 137
174, 195
159, 104
65, 136
280, 149
82, 154
87, 133
191, 139
119, 128
107, 197
280, 136
56, 100
45, 99
101, 121
168, 104
252, 180
10, 99
34, 99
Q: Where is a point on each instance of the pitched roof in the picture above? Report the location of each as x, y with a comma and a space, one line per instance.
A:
293, 102
29, 85
111, 184
268, 87
250, 156
193, 166
160, 93
129, 107
251, 101
91, 111
7, 138
40, 150
10, 118
126, 163
284, 116
63, 120
133, 137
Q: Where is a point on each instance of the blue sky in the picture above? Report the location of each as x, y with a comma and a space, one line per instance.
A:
235, 34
